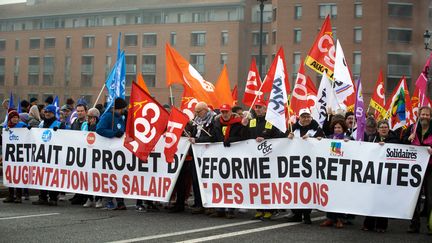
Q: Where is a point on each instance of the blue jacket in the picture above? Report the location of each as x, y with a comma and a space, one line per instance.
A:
105, 128
20, 125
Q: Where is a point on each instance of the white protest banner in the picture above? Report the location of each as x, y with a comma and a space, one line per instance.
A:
330, 175
86, 163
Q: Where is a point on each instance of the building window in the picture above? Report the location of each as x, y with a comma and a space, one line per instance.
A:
68, 42
274, 37
150, 80
87, 63
224, 38
180, 18
130, 40
17, 44
399, 64
328, 9
296, 64
399, 35
16, 66
131, 63
67, 73
115, 21
149, 40
108, 62
2, 45
34, 43
403, 10
356, 65
297, 35
198, 62
2, 71
223, 59
148, 64
274, 14
75, 23
48, 71
298, 12
198, 17
198, 38
358, 10
108, 41
33, 65
173, 38
33, 78
255, 38
88, 42
49, 42
357, 34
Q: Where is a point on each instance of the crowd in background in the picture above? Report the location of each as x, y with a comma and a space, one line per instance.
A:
227, 125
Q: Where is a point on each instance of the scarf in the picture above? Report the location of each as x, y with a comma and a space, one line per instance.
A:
203, 122
338, 136
232, 120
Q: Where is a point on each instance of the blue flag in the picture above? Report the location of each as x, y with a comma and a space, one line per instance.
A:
11, 102
116, 81
19, 110
57, 105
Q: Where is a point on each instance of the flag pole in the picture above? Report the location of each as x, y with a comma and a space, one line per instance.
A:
100, 93
256, 96
171, 96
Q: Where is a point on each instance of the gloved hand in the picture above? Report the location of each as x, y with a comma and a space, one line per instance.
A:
119, 134
226, 143
55, 129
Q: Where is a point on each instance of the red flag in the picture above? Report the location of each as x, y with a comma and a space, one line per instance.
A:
268, 81
234, 95
146, 122
304, 93
322, 55
176, 124
253, 84
188, 103
378, 98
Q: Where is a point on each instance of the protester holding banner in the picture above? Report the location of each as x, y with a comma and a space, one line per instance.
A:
305, 127
227, 129
259, 129
420, 134
200, 132
371, 129
350, 122
49, 121
13, 121
112, 124
77, 125
385, 135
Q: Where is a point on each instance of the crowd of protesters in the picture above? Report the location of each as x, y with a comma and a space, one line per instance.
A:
227, 125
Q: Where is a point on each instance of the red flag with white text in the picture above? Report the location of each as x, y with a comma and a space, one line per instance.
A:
188, 102
147, 121
304, 94
253, 84
176, 124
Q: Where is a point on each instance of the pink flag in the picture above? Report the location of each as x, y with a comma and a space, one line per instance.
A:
421, 82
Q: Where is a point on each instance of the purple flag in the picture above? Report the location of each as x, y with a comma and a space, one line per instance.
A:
360, 113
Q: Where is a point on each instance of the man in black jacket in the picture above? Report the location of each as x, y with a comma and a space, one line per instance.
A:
304, 128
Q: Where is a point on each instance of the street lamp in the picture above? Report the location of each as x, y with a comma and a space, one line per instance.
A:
426, 39
261, 36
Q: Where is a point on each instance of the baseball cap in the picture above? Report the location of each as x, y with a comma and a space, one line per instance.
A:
304, 111
51, 108
225, 107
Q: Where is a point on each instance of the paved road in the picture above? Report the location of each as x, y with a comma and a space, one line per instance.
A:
70, 223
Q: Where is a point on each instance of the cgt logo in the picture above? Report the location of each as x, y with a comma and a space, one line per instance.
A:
46, 135
91, 138
336, 149
12, 136
265, 147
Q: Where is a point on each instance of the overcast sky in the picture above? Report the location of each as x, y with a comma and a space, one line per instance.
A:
11, 1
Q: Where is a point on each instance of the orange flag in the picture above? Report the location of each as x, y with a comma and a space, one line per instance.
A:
223, 88
304, 95
188, 103
141, 83
322, 55
180, 71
